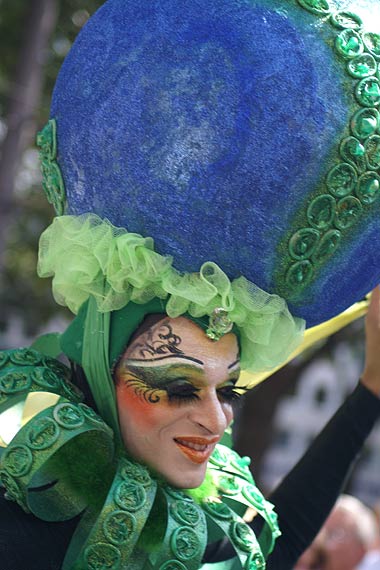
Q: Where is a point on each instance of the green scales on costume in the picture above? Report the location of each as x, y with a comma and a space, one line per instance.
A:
64, 461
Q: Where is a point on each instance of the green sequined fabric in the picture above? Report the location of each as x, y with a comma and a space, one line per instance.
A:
352, 184
52, 180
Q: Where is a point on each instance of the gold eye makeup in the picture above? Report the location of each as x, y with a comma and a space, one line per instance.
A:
178, 383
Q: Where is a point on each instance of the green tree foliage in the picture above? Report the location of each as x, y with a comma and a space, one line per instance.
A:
22, 294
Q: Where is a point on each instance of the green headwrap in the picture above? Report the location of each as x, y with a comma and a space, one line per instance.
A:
96, 340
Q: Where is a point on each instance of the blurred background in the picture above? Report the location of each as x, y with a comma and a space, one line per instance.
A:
279, 417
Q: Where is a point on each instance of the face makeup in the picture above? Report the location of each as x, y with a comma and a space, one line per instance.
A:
175, 404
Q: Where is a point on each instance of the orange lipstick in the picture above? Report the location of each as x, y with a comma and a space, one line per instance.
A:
197, 449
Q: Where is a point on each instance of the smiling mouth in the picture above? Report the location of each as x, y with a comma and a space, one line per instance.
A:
197, 449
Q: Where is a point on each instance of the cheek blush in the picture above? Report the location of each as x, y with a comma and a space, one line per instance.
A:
144, 414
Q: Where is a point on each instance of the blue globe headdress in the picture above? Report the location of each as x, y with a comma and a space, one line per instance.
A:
244, 139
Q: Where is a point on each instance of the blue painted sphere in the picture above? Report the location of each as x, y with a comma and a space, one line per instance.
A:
212, 126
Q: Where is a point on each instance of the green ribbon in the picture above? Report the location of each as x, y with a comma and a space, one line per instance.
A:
95, 362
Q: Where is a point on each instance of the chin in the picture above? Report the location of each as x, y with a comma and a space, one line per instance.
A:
186, 480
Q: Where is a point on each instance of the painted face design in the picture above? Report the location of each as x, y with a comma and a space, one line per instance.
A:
175, 388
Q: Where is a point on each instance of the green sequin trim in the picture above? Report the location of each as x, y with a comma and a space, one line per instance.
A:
25, 370
353, 184
52, 180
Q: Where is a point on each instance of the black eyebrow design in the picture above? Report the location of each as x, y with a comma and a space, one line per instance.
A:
234, 363
181, 356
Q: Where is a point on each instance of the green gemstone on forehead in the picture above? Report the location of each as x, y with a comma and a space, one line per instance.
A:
299, 274
349, 44
368, 187
348, 211
368, 92
320, 212
303, 243
365, 123
343, 20
372, 147
327, 246
219, 324
362, 66
352, 150
320, 7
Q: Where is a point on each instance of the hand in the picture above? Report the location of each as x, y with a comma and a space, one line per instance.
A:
371, 374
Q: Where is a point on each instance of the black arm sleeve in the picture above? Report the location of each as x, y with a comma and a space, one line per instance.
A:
305, 497
307, 494
27, 543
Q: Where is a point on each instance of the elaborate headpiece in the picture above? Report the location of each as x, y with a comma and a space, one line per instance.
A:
217, 159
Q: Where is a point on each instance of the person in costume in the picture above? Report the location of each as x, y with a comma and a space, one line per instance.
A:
215, 169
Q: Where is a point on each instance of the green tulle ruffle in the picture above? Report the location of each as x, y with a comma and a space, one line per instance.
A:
87, 256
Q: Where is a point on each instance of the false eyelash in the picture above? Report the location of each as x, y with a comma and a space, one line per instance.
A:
229, 395
182, 399
232, 394
182, 393
226, 395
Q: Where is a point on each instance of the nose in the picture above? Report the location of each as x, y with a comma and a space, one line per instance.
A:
211, 414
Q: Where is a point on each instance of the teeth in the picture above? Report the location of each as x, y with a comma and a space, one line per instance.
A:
195, 446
